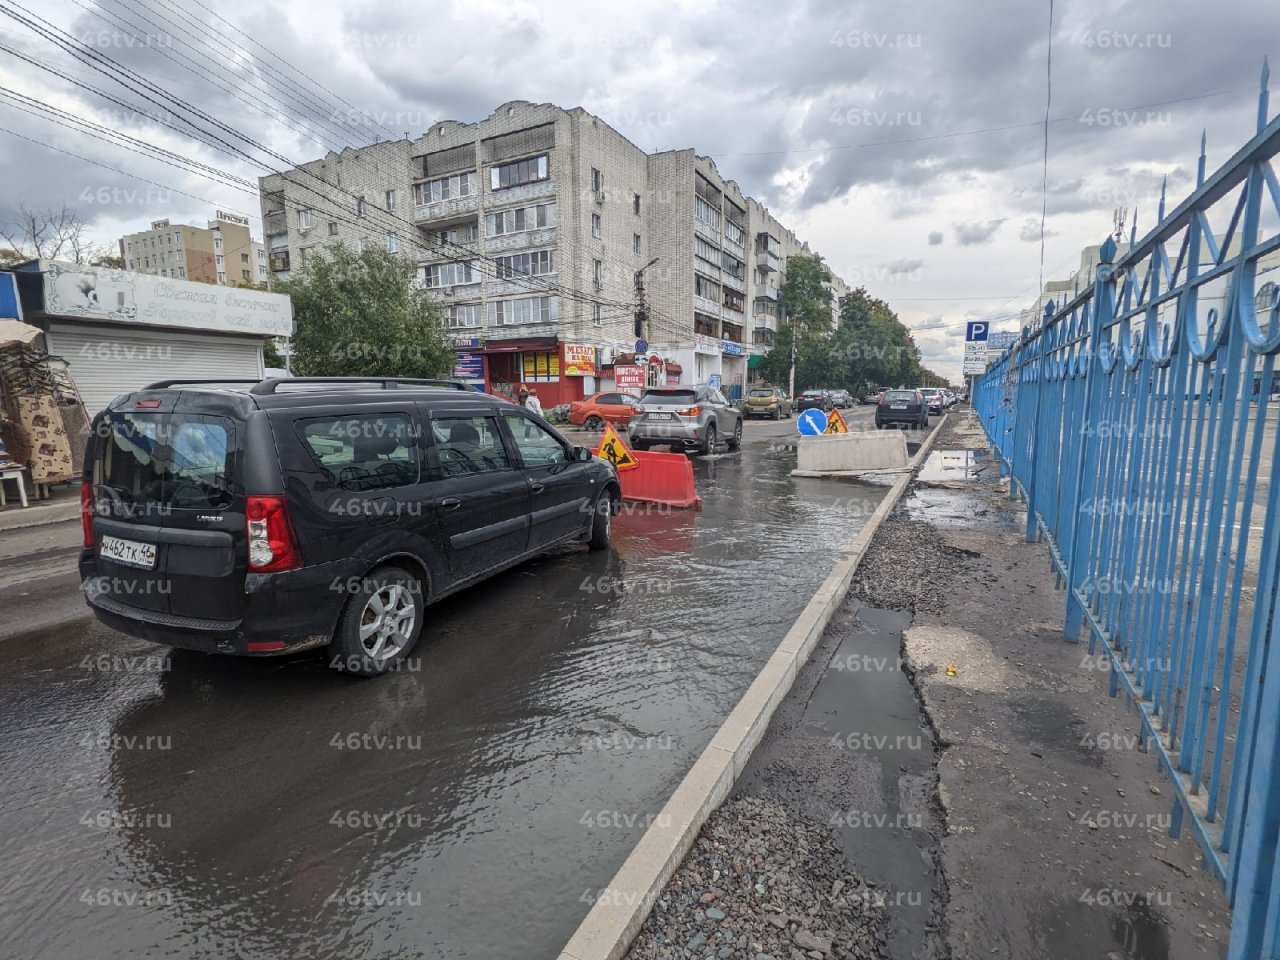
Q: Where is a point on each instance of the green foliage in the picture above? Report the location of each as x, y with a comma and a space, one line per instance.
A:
271, 356
363, 315
870, 348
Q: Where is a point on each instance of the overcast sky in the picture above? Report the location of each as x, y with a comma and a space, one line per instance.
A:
903, 140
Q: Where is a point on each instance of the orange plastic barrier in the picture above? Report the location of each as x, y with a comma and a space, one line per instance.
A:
665, 478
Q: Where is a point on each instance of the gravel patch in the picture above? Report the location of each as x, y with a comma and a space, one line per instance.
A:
762, 884
908, 567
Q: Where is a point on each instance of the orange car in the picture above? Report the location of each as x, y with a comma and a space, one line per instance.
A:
611, 406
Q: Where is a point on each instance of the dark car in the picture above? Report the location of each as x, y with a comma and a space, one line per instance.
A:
841, 398
320, 512
814, 400
902, 407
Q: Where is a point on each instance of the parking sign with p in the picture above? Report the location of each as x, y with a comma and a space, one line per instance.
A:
976, 331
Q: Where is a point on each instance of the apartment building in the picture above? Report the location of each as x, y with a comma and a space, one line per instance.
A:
223, 252
542, 231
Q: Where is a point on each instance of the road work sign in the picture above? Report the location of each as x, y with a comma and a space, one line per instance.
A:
614, 449
836, 424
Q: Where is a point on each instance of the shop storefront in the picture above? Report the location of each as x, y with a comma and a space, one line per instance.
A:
117, 330
733, 369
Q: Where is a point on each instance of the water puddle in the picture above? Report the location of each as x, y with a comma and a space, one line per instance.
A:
957, 468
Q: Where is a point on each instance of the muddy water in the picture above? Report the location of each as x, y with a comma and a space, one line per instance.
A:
471, 805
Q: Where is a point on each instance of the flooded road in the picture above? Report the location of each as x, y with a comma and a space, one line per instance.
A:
164, 804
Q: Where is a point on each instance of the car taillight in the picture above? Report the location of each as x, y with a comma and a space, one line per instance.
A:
271, 543
688, 412
87, 507
636, 408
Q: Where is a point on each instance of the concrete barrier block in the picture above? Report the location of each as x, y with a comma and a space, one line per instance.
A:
845, 452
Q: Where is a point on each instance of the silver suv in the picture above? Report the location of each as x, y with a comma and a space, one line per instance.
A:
687, 418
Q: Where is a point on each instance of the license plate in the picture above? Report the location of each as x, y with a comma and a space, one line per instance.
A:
661, 416
129, 552
897, 406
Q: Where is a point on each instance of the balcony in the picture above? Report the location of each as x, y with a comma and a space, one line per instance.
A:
732, 315
707, 231
522, 284
732, 332
766, 292
460, 291
278, 262
703, 305
546, 237
734, 283
506, 196
445, 210
274, 224
768, 260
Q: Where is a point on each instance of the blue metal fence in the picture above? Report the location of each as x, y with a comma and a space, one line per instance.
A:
1137, 420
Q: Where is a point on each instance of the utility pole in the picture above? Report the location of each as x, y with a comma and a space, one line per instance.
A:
642, 327
791, 376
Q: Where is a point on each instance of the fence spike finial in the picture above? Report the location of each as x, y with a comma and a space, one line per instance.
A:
1133, 230
1164, 186
1200, 164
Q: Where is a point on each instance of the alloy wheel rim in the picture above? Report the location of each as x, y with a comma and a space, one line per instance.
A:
387, 622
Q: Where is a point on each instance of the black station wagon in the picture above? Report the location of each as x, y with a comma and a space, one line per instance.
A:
295, 513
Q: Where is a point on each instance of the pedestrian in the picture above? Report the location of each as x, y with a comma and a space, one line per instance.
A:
530, 401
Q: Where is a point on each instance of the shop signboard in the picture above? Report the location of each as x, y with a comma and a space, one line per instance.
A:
80, 292
732, 349
704, 344
10, 305
469, 366
628, 376
579, 360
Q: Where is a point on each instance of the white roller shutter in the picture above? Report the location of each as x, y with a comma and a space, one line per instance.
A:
107, 361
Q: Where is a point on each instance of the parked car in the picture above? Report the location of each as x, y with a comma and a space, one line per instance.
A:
687, 418
872, 396
319, 512
932, 397
841, 398
767, 402
902, 407
814, 400
595, 411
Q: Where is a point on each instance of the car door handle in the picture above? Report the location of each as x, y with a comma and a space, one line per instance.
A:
450, 503
537, 487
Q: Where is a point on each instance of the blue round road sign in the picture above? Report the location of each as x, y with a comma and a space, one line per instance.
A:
812, 423
642, 346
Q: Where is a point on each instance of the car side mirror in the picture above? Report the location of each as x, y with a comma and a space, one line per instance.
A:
581, 455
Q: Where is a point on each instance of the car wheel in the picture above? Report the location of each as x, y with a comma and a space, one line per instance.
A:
380, 624
639, 444
709, 440
777, 413
736, 440
601, 523
594, 424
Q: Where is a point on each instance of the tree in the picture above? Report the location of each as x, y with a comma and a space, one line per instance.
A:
54, 233
271, 356
364, 315
805, 304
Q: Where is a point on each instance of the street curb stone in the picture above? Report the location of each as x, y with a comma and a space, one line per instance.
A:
618, 913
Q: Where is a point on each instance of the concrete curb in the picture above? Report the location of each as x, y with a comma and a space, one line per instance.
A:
38, 515
621, 908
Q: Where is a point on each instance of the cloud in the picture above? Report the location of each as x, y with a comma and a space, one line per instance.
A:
935, 238
977, 233
903, 266
1030, 232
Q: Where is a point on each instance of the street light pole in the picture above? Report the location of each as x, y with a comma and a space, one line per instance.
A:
642, 330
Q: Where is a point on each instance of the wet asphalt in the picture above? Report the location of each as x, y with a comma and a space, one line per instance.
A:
167, 804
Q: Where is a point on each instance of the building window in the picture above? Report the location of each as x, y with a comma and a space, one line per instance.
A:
333, 228
222, 277
523, 310
217, 243
597, 180
596, 316
464, 315
597, 273
704, 250
389, 200
393, 243
595, 225
362, 208
522, 171
734, 233
533, 264
519, 220
635, 243
705, 288
244, 258
182, 273
262, 271
304, 255
734, 267
304, 218
452, 274
454, 235
706, 213
635, 203
362, 245
734, 300
246, 275
218, 258
446, 188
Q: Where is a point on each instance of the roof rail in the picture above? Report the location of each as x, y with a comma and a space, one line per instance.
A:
162, 384
269, 386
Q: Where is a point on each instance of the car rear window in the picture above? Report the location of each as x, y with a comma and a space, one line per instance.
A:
669, 396
366, 452
900, 396
761, 393
168, 460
